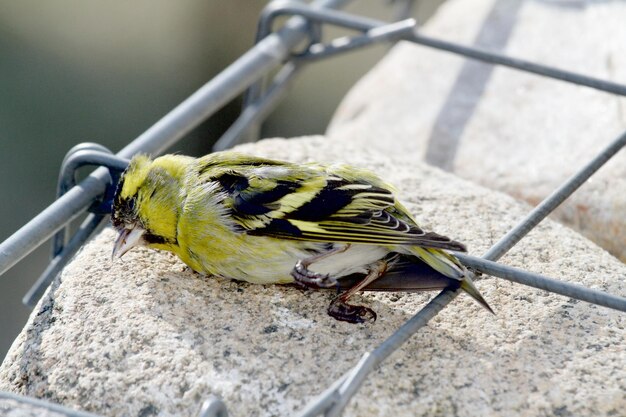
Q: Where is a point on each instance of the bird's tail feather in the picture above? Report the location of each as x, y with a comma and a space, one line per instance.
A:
468, 286
450, 266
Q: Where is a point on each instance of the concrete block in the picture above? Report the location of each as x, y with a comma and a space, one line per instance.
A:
145, 336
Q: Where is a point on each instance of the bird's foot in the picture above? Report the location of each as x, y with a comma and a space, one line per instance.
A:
340, 310
310, 279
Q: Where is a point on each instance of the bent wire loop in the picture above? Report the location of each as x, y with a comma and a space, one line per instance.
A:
274, 49
63, 250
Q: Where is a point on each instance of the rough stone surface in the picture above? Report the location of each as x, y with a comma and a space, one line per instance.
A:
147, 337
506, 129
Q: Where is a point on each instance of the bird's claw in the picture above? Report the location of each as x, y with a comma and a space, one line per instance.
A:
310, 279
342, 311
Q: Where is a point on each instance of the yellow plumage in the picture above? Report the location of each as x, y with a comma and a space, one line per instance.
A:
266, 221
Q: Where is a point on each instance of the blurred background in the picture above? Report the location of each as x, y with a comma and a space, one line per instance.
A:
105, 71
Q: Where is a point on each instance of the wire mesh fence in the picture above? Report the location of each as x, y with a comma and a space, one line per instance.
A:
276, 49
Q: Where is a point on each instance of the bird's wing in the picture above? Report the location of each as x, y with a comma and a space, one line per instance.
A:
315, 203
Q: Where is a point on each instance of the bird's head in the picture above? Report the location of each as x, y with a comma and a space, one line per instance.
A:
147, 203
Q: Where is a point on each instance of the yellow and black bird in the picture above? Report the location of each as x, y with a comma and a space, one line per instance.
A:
266, 221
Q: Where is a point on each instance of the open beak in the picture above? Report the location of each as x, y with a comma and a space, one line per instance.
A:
127, 239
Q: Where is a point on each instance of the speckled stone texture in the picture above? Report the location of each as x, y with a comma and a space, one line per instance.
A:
506, 129
145, 336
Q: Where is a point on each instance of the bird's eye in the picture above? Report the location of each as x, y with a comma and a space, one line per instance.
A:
127, 205
124, 215
130, 204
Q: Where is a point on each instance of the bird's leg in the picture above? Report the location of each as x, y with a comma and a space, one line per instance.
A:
307, 278
341, 310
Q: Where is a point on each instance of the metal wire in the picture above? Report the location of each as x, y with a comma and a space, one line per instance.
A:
43, 406
312, 14
79, 156
58, 262
278, 8
370, 360
365, 24
76, 158
553, 200
213, 407
264, 29
60, 238
544, 283
385, 33
50, 220
520, 64
255, 112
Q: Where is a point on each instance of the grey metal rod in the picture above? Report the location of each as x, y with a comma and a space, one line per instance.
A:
255, 112
44, 405
264, 56
553, 200
58, 262
67, 177
325, 399
387, 33
60, 237
213, 407
63, 210
258, 110
364, 24
370, 360
520, 64
315, 14
67, 180
531, 279
269, 13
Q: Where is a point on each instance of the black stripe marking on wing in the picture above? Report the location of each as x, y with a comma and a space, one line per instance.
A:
279, 228
324, 204
335, 196
248, 201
